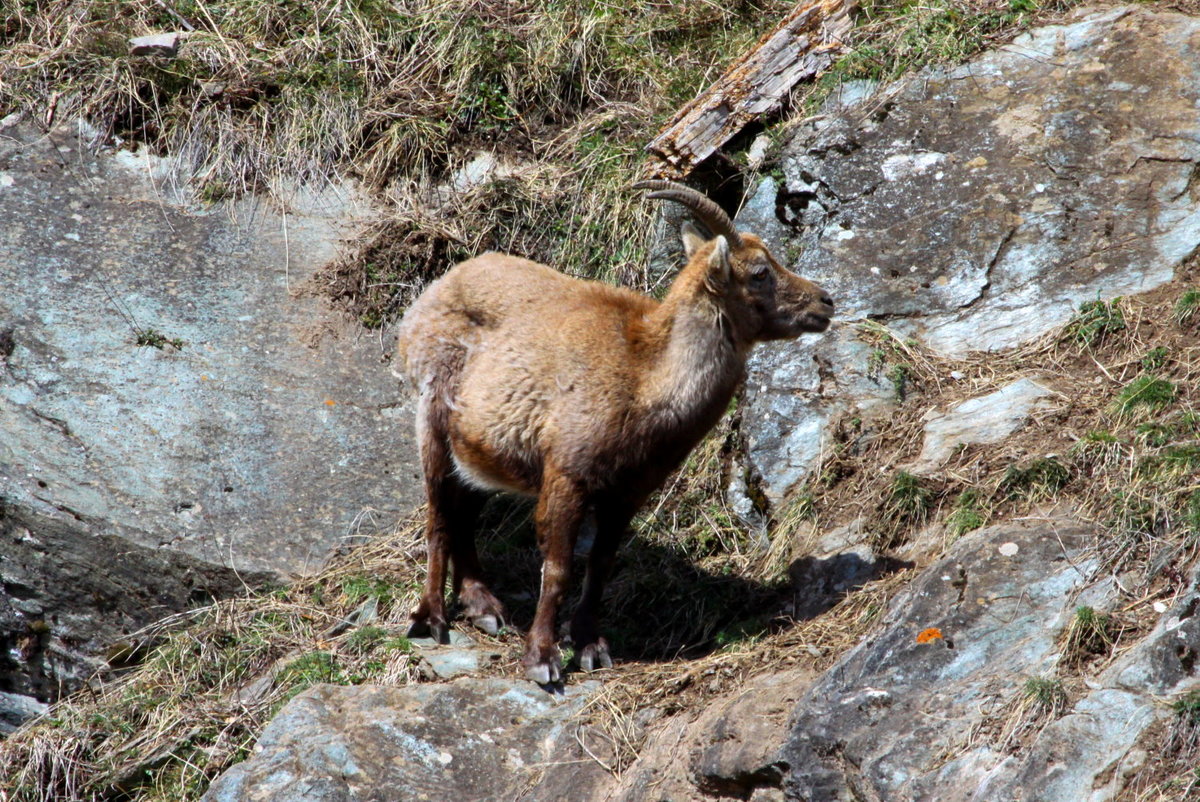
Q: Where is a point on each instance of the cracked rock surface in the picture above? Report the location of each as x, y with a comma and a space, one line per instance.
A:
974, 208
138, 480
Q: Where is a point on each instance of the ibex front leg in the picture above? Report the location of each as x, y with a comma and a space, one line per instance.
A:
592, 649
560, 509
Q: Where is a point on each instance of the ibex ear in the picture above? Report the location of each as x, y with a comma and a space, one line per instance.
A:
692, 240
718, 266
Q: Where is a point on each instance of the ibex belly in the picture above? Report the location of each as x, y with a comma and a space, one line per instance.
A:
495, 427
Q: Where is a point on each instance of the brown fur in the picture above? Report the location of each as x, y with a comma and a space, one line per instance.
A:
581, 394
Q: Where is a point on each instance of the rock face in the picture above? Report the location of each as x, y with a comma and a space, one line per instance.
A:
975, 208
900, 719
986, 419
471, 739
246, 435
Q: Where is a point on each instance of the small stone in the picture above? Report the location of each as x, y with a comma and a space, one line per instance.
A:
158, 44
1009, 549
1159, 607
757, 153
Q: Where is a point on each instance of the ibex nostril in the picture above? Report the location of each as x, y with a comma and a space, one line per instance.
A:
827, 299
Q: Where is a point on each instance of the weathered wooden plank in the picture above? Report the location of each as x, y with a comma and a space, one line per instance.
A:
800, 47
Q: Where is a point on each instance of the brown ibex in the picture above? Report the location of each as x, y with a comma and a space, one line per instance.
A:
582, 394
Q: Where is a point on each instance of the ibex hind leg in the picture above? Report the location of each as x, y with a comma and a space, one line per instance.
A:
480, 606
442, 490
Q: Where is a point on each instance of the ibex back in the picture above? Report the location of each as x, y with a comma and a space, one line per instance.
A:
582, 394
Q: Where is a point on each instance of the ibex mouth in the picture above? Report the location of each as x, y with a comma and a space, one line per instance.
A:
815, 322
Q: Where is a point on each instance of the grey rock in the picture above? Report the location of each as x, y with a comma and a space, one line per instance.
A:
455, 659
157, 44
471, 739
986, 419
728, 751
974, 208
891, 720
137, 481
16, 709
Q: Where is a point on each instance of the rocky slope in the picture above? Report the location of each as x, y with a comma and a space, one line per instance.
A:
981, 486
968, 210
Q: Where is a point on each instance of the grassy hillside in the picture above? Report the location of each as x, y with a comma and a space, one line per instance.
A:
400, 95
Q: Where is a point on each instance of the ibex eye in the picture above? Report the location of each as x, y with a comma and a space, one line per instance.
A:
760, 272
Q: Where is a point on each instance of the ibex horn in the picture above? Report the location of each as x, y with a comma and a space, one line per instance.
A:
712, 215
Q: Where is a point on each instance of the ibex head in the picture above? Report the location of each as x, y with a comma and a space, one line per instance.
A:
762, 299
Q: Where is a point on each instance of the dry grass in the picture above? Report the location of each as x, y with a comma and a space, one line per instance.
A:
214, 677
400, 96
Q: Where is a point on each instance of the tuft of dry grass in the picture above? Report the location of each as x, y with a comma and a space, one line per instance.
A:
403, 97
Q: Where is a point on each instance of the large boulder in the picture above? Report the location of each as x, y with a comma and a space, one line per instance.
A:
179, 419
471, 739
974, 208
910, 715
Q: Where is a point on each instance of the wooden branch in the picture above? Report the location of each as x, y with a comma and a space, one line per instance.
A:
801, 47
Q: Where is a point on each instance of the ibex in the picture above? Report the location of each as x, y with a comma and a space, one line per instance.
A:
583, 395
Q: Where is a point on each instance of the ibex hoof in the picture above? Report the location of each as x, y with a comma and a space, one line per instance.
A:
438, 632
488, 623
594, 656
544, 673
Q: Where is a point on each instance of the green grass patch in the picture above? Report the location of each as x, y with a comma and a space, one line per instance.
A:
1096, 321
153, 338
1187, 708
1038, 479
1191, 513
909, 497
1090, 634
1144, 394
1155, 359
1046, 694
1170, 464
361, 587
967, 515
907, 36
1187, 308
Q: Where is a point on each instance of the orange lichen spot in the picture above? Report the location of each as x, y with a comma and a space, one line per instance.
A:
929, 635
329, 402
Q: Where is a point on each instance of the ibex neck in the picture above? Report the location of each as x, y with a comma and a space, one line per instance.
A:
697, 364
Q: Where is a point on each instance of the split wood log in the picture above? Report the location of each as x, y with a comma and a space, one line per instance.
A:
801, 47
